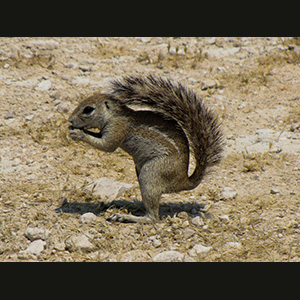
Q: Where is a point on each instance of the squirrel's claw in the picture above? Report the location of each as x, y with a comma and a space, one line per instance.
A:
76, 134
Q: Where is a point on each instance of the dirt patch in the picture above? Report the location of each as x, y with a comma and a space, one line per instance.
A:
47, 180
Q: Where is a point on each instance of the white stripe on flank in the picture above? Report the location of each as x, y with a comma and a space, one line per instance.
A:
170, 140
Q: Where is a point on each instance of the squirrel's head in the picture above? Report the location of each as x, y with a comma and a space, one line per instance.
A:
93, 112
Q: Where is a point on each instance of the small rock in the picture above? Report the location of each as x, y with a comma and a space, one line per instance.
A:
62, 108
85, 68
34, 248
197, 221
44, 85
43, 44
168, 256
66, 77
224, 219
172, 49
211, 41
185, 224
37, 233
71, 65
188, 258
155, 242
55, 95
29, 117
145, 39
233, 245
199, 249
59, 246
110, 189
228, 193
187, 233
79, 242
88, 218
209, 84
274, 191
181, 51
135, 256
15, 52
10, 114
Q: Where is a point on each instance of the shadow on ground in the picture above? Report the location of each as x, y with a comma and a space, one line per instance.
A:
136, 208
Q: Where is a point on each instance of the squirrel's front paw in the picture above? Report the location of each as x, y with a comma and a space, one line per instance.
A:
76, 134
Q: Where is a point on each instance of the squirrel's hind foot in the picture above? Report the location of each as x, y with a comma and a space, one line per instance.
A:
130, 219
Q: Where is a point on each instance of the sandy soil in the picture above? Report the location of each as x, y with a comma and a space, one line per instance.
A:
47, 180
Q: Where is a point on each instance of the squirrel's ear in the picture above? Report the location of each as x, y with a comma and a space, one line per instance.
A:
107, 104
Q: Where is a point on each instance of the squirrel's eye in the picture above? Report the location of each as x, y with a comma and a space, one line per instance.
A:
88, 110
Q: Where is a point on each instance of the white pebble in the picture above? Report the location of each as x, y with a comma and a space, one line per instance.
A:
198, 221
168, 256
43, 85
88, 218
234, 245
79, 242
274, 191
37, 233
34, 248
199, 249
228, 193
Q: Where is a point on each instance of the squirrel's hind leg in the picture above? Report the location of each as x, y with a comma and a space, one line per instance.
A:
151, 203
150, 189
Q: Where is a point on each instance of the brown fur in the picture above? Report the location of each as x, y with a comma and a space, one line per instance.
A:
159, 140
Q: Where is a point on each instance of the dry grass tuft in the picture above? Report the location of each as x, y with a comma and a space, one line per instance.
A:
258, 75
175, 60
107, 51
254, 162
294, 116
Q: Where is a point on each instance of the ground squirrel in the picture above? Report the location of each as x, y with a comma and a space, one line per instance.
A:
159, 139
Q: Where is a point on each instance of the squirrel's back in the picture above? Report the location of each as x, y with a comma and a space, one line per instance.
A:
177, 102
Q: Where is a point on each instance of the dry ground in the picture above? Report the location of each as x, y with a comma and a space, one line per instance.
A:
46, 179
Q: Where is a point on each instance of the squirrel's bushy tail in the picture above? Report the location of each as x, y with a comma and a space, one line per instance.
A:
199, 123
